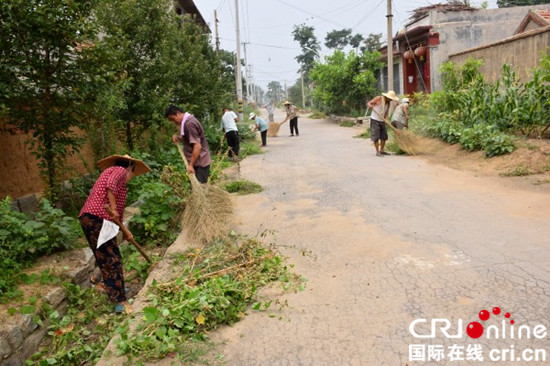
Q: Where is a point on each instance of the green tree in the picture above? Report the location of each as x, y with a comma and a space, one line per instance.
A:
274, 91
355, 41
512, 3
338, 39
47, 82
162, 59
305, 36
343, 82
372, 42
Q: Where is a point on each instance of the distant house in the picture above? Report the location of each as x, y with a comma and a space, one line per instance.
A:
438, 31
188, 7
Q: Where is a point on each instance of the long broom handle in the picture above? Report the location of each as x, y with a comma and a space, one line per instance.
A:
385, 120
127, 233
183, 157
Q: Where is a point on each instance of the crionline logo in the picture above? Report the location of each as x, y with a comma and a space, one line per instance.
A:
444, 327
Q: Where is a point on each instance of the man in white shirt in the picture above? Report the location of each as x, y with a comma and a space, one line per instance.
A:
229, 125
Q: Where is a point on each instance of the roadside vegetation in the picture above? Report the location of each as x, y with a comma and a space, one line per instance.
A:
483, 116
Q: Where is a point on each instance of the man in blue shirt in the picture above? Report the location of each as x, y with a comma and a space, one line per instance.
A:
261, 126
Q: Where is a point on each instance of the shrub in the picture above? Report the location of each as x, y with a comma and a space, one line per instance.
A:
23, 239
159, 207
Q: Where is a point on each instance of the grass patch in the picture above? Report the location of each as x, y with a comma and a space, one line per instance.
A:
364, 135
250, 148
317, 115
518, 171
243, 187
347, 124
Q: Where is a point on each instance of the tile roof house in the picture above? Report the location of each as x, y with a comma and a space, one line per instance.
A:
535, 18
438, 31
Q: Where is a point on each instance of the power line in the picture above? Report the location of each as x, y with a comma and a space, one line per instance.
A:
307, 12
265, 45
368, 15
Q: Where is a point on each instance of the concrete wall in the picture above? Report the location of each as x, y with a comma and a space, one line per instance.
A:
461, 30
523, 52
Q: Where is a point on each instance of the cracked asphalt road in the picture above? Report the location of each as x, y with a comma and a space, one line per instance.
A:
391, 240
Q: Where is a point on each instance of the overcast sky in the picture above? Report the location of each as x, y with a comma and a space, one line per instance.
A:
266, 27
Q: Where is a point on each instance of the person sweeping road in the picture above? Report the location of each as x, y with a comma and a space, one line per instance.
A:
110, 190
400, 116
380, 106
229, 126
292, 115
195, 146
260, 125
208, 210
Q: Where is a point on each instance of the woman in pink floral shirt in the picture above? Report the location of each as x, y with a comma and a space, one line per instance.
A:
110, 189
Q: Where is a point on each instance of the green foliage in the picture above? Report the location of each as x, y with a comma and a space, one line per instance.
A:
214, 287
81, 335
338, 39
347, 124
317, 115
342, 81
512, 3
274, 91
243, 187
305, 36
159, 208
23, 239
46, 83
482, 116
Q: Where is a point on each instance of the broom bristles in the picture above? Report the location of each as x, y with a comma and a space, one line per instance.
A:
407, 141
208, 212
273, 128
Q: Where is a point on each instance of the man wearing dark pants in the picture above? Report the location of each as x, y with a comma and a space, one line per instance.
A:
195, 147
229, 125
292, 114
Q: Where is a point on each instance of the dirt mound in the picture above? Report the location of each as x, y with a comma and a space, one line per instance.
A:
528, 166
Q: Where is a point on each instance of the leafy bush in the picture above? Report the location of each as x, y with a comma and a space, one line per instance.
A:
498, 143
473, 138
23, 239
159, 207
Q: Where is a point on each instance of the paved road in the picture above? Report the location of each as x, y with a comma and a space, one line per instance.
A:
392, 240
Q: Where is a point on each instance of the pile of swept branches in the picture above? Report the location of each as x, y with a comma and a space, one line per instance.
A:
213, 286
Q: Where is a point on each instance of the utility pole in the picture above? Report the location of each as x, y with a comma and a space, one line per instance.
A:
238, 76
390, 47
303, 94
246, 75
216, 30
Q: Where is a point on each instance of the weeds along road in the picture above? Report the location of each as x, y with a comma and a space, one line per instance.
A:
391, 240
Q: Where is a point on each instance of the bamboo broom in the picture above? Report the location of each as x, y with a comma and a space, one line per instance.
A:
208, 211
273, 128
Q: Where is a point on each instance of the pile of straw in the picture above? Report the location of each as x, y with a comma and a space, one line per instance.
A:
273, 128
208, 210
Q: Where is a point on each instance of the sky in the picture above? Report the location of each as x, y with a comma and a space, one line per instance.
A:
266, 28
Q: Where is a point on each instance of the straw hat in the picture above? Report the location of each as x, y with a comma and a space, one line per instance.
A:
287, 102
140, 166
252, 115
391, 95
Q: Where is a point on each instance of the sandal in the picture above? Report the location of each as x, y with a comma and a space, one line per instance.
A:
123, 308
